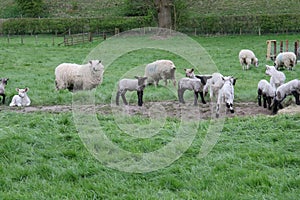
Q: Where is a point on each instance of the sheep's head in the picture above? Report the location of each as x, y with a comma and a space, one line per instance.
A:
22, 92
270, 69
255, 62
4, 81
189, 73
96, 65
141, 82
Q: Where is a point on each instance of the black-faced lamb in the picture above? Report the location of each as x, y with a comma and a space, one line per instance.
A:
290, 88
160, 70
21, 99
247, 57
285, 59
138, 84
3, 83
277, 77
226, 95
195, 84
265, 89
79, 77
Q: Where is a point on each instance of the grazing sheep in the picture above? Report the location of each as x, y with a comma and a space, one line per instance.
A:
265, 89
277, 77
195, 84
160, 70
285, 59
125, 85
21, 99
290, 88
247, 57
3, 83
226, 95
79, 77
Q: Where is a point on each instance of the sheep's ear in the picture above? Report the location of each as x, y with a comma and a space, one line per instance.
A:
17, 89
185, 69
136, 77
99, 61
26, 89
223, 78
90, 62
0, 79
192, 69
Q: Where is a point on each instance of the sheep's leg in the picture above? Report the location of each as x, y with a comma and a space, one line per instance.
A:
202, 97
3, 98
296, 95
218, 110
265, 101
140, 97
259, 93
269, 100
118, 98
275, 108
174, 82
195, 98
124, 98
180, 95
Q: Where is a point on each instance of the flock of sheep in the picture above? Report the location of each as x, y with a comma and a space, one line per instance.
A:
221, 88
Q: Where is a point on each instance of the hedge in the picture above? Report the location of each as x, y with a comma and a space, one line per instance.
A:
203, 25
76, 25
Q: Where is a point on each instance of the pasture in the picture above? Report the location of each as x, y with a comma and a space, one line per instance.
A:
43, 156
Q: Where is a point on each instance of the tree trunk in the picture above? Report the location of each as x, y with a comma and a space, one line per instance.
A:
164, 13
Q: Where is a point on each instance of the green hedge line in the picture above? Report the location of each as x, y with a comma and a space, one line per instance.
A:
76, 25
202, 25
245, 24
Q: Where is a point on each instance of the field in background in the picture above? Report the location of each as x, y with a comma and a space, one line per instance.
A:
42, 156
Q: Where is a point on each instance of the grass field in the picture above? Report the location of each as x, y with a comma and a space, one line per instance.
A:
43, 156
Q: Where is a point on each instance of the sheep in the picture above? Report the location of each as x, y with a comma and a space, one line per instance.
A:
160, 69
290, 88
79, 77
277, 77
265, 89
226, 95
247, 57
21, 99
195, 84
137, 84
3, 83
214, 84
285, 59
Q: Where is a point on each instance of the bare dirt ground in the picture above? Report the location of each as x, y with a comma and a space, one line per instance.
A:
169, 108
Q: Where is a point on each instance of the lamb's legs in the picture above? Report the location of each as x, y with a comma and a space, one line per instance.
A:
259, 92
3, 98
269, 100
202, 97
180, 95
140, 97
117, 98
265, 101
296, 95
195, 98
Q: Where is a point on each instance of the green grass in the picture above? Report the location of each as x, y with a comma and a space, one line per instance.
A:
43, 157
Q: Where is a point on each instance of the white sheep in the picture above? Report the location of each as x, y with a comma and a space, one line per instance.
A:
290, 88
285, 59
226, 95
3, 83
265, 89
160, 70
277, 77
79, 77
21, 99
138, 84
247, 57
195, 84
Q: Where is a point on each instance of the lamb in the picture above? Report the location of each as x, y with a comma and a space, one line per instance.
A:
290, 88
265, 89
3, 83
277, 77
79, 77
247, 57
21, 99
285, 59
195, 84
125, 85
160, 69
226, 95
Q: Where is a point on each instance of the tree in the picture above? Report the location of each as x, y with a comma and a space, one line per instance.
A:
164, 11
31, 8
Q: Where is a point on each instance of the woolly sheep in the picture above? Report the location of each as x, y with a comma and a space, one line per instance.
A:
79, 77
195, 84
265, 89
247, 57
160, 70
290, 88
285, 59
277, 77
226, 95
125, 85
21, 99
3, 83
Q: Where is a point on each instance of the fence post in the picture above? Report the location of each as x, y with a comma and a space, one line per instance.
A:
286, 45
8, 38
